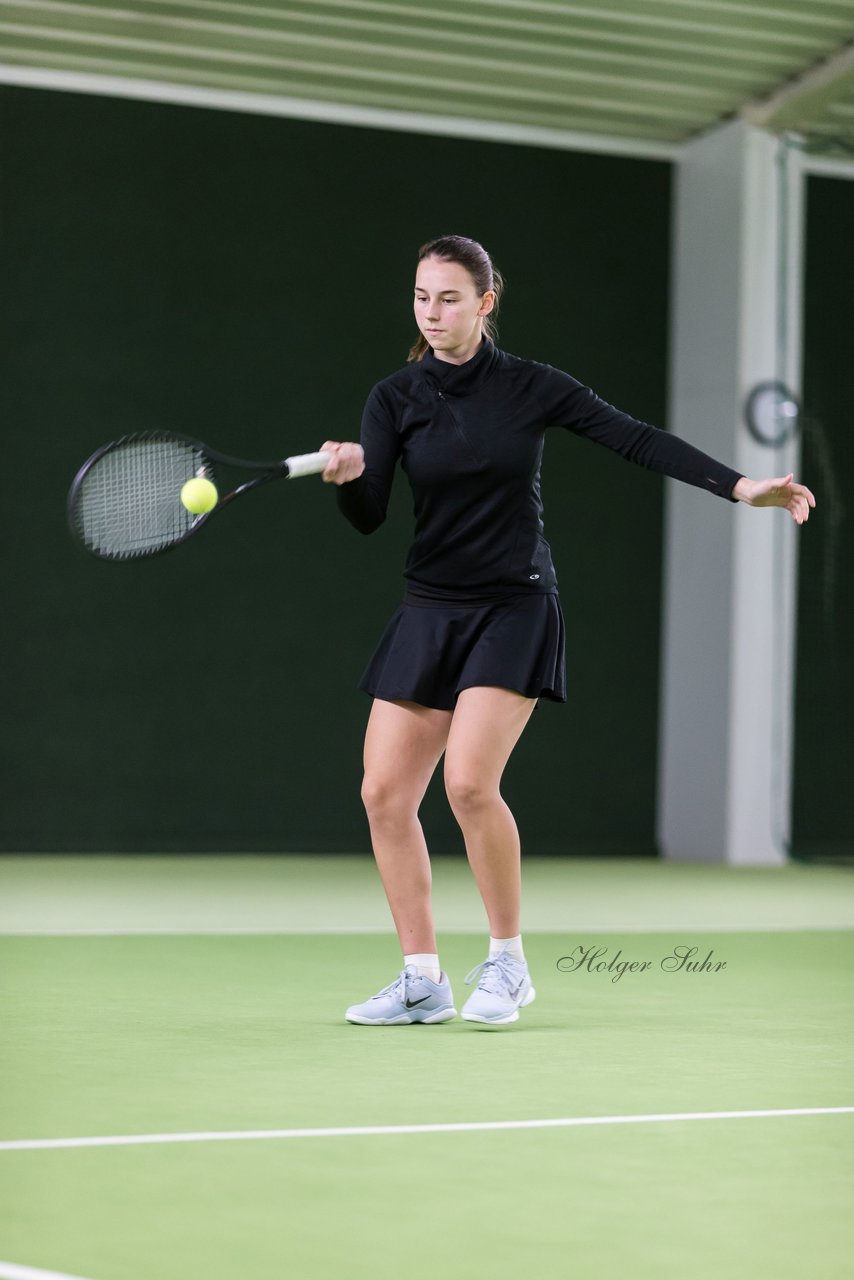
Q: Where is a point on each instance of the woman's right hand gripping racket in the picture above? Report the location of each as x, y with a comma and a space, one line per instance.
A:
126, 500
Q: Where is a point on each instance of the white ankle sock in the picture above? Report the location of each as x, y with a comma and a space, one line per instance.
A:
425, 965
512, 945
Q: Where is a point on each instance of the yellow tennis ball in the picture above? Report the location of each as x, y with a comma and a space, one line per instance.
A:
199, 495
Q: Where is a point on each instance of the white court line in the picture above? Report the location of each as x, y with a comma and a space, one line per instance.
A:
371, 1131
11, 1271
839, 924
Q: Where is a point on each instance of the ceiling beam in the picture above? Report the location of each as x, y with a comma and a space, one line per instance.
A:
764, 111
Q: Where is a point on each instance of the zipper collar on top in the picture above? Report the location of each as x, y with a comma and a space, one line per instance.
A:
461, 379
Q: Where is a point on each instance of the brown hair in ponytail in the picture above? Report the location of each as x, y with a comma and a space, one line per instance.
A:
479, 265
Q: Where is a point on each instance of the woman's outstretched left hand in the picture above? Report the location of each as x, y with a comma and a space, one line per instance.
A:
782, 492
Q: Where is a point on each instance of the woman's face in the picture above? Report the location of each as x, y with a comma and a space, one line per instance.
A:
448, 309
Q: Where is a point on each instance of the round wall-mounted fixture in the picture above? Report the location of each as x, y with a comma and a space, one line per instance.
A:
772, 413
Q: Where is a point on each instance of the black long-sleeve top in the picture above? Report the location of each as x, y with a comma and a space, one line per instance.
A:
470, 439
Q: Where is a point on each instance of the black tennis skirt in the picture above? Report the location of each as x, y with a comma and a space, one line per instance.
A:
433, 649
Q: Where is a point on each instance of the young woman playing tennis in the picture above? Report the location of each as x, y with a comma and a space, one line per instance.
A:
479, 637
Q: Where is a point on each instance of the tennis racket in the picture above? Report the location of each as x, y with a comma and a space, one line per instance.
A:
125, 501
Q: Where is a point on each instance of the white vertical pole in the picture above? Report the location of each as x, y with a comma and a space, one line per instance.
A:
728, 624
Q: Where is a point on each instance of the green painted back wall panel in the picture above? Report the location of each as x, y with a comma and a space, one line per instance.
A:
247, 280
823, 818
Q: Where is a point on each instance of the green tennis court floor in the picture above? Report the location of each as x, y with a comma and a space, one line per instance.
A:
194, 1006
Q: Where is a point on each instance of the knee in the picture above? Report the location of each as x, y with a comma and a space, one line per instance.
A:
466, 792
383, 799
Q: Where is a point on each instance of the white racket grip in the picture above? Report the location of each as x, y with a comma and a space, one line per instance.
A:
306, 464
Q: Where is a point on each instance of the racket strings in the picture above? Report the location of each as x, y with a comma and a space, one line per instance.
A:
129, 502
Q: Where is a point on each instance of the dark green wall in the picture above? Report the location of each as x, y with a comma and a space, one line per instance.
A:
824, 739
247, 280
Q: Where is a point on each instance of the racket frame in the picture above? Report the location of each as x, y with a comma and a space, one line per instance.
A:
303, 464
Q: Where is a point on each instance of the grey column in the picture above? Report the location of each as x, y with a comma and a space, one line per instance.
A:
729, 571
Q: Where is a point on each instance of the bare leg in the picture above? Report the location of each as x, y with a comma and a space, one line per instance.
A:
486, 726
403, 744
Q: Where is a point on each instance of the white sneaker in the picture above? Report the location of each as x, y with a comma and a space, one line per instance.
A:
409, 998
504, 988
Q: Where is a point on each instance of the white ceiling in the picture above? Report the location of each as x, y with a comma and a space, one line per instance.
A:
654, 73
